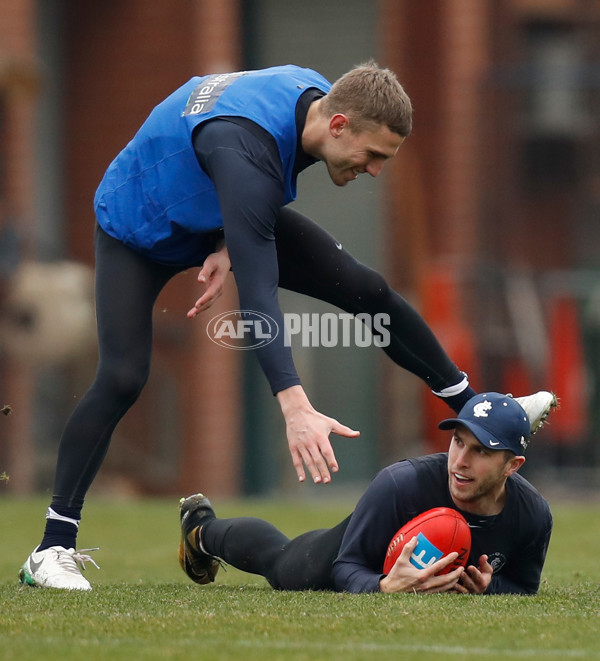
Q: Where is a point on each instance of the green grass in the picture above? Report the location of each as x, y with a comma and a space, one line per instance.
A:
144, 607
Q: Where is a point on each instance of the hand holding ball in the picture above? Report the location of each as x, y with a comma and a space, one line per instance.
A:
439, 532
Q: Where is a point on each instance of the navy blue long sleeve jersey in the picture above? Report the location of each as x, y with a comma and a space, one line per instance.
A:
515, 541
243, 163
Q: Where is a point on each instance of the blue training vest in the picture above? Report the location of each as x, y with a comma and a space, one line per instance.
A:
156, 198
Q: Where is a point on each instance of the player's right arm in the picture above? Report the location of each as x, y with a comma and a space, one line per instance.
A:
405, 577
212, 275
384, 507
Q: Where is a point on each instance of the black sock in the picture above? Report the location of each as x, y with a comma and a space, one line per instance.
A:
456, 402
61, 533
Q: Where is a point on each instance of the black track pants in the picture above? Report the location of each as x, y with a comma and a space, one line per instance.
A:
311, 262
257, 547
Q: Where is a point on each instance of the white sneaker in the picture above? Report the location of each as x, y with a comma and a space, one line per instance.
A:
56, 567
537, 407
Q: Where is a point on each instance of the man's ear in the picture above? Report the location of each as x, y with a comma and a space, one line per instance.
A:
513, 464
337, 124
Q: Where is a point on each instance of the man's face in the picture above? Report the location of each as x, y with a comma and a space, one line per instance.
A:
352, 153
477, 475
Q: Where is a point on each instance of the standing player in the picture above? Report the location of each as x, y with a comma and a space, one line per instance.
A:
205, 181
510, 522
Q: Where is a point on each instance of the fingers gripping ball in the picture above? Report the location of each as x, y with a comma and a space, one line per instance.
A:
439, 531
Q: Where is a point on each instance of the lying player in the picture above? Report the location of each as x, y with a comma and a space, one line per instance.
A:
510, 521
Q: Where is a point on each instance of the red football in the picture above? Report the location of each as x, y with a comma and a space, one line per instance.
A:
439, 531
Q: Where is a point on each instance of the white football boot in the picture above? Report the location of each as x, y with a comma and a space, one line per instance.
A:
56, 567
537, 407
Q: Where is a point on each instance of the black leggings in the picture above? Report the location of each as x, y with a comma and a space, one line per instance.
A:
311, 262
258, 547
127, 285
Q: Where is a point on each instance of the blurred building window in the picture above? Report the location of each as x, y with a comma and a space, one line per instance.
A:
556, 116
555, 103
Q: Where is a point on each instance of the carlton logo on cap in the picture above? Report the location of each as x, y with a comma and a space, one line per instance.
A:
480, 410
497, 421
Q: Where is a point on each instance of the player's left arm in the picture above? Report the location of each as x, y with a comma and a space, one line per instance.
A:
249, 186
523, 574
523, 571
475, 580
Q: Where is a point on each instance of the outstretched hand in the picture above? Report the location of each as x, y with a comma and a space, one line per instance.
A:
405, 577
213, 275
308, 436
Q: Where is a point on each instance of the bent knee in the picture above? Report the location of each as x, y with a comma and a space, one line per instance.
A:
373, 291
123, 381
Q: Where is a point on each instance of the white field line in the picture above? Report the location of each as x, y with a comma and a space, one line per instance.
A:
436, 649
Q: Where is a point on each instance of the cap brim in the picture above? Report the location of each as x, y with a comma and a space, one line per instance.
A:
480, 433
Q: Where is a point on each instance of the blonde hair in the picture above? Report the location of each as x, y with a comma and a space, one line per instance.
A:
370, 94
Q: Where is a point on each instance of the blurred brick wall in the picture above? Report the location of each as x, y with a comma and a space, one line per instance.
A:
453, 193
122, 59
19, 79
473, 194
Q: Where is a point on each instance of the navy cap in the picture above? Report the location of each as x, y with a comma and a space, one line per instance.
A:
497, 421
